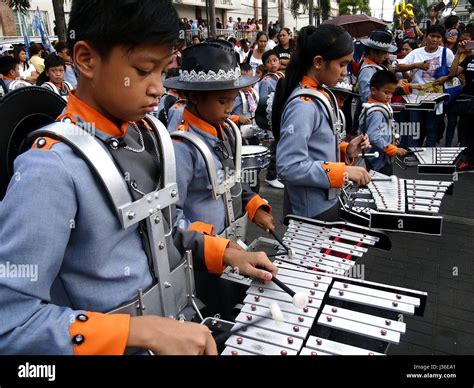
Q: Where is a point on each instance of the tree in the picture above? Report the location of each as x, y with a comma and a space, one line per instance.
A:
347, 7
60, 19
264, 15
18, 5
323, 9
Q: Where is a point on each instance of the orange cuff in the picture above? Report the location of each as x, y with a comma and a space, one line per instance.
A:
234, 118
335, 173
202, 227
256, 203
214, 248
406, 89
390, 150
100, 334
343, 147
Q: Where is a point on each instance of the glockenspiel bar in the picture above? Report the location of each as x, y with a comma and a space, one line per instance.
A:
372, 301
311, 352
378, 293
290, 330
372, 320
268, 337
230, 351
336, 348
257, 347
359, 328
292, 319
284, 306
263, 289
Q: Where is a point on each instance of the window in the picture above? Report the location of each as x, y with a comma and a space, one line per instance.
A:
28, 18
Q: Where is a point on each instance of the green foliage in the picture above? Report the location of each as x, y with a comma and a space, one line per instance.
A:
348, 7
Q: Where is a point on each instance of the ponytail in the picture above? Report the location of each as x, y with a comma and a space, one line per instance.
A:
329, 41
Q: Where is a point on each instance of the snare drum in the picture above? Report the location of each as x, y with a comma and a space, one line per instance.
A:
255, 157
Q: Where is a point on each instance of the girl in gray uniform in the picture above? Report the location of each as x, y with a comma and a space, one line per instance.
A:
309, 157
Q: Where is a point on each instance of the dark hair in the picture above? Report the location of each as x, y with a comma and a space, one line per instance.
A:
329, 41
382, 78
35, 48
53, 60
267, 54
16, 53
106, 24
232, 40
436, 29
410, 42
259, 35
245, 67
61, 46
7, 64
450, 21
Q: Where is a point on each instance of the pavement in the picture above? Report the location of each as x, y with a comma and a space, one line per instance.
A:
443, 266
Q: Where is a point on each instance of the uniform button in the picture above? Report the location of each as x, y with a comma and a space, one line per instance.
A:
67, 120
82, 318
41, 142
328, 170
78, 339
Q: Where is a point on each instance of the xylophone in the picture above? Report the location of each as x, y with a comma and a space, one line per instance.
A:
432, 160
395, 204
426, 102
344, 316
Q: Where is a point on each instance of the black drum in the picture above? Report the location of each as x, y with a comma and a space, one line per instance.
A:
23, 111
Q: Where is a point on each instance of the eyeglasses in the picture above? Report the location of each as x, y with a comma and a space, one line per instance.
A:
453, 33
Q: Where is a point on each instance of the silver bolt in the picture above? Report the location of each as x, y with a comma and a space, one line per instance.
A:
131, 215
157, 220
167, 285
161, 246
174, 193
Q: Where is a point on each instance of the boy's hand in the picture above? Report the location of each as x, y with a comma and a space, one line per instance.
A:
358, 175
401, 152
244, 120
357, 145
441, 80
164, 336
264, 220
247, 263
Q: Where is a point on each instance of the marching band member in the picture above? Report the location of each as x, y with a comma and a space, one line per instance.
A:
88, 264
376, 120
305, 120
245, 103
209, 104
55, 71
210, 78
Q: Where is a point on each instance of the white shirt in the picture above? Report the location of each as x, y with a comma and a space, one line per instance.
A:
28, 71
254, 63
230, 26
421, 76
270, 45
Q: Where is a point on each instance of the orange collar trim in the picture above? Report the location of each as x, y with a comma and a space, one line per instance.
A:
8, 78
78, 108
313, 84
370, 62
373, 101
199, 123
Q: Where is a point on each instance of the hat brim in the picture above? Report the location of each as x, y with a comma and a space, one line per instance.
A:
23, 111
344, 91
242, 82
391, 49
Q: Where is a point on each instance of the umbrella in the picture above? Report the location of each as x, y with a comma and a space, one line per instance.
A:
357, 25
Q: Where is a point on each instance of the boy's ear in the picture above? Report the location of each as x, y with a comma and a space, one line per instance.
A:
373, 90
85, 58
